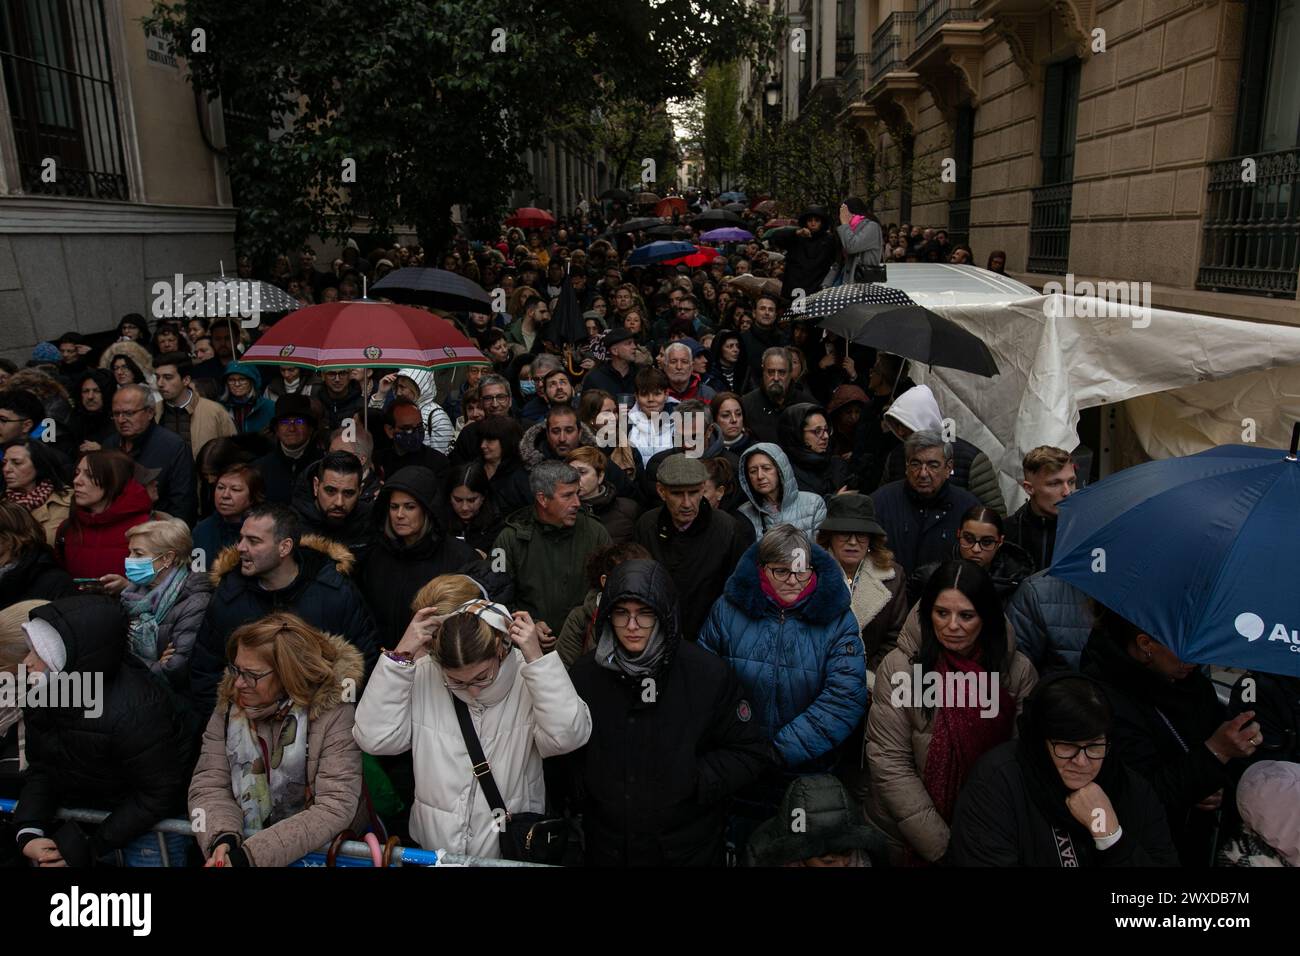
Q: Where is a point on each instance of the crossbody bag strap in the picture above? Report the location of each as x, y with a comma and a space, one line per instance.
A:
482, 771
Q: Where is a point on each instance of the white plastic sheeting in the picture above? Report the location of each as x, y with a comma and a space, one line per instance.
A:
1189, 380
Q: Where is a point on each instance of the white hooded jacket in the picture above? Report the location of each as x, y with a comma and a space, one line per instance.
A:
438, 429
917, 409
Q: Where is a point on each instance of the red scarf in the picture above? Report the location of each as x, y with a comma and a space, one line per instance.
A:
31, 500
960, 736
781, 602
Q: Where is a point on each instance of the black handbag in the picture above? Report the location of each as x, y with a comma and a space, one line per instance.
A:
526, 837
866, 273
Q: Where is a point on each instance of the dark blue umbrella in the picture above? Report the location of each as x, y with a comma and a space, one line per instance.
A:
1199, 552
436, 288
653, 252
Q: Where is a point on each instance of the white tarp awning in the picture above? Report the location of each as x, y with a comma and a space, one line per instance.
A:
1189, 380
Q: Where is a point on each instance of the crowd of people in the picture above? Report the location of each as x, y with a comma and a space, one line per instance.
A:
670, 596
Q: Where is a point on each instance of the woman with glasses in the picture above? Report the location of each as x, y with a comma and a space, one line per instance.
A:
670, 743
785, 626
982, 539
279, 774
804, 433
482, 660
1059, 796
946, 695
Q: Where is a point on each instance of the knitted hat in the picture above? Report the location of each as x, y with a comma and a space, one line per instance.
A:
46, 352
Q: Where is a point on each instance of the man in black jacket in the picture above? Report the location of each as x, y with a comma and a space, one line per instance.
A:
699, 546
672, 735
153, 446
295, 449
765, 333
809, 252
1048, 480
275, 569
617, 376
328, 501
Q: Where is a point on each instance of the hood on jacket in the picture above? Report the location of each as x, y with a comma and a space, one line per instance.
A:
423, 379
344, 562
917, 409
833, 824
828, 601
249, 372
532, 447
648, 582
93, 629
417, 481
136, 352
790, 423
822, 213
789, 483
349, 665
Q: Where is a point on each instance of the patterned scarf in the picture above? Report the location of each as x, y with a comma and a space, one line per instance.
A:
269, 779
145, 607
31, 500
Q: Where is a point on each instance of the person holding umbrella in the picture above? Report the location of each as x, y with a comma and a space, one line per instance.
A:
1170, 727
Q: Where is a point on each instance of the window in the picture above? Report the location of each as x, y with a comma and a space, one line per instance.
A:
1049, 216
61, 97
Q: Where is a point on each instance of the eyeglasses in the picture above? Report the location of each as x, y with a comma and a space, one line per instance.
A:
820, 431
1065, 751
479, 684
494, 399
292, 421
620, 617
786, 575
250, 677
127, 413
11, 421
984, 544
933, 467
853, 535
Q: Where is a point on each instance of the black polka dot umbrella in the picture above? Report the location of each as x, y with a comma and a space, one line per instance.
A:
825, 304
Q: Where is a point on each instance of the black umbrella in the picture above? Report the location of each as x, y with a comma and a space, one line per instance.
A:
566, 326
829, 302
666, 231
435, 288
916, 333
619, 195
713, 218
634, 225
736, 207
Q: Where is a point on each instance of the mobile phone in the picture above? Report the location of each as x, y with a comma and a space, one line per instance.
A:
88, 584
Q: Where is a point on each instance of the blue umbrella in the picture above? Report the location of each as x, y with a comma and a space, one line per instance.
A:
1197, 551
733, 197
653, 252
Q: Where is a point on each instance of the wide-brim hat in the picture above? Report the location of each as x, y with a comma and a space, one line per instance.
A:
851, 513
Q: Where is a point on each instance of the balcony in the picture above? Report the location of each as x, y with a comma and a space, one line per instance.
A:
1049, 229
1252, 229
891, 45
931, 15
853, 78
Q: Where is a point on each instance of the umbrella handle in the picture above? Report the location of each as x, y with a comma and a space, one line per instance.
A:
1295, 440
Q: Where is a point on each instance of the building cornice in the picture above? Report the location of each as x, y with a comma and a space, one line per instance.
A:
58, 215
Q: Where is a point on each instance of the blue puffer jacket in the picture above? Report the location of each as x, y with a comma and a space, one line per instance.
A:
802, 669
1052, 620
803, 509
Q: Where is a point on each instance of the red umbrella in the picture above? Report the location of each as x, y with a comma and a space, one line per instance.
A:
530, 217
363, 334
673, 204
702, 255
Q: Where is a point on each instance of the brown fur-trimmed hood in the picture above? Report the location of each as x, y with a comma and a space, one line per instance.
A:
531, 446
346, 680
344, 561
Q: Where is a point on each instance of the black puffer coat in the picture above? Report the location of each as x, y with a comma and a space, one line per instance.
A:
35, 576
132, 759
823, 474
393, 572
664, 756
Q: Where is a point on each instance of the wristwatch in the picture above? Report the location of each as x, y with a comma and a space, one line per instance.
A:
399, 657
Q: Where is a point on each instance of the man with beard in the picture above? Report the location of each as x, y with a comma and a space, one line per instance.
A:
330, 503
763, 406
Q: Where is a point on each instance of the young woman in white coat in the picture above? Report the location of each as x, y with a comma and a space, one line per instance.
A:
522, 704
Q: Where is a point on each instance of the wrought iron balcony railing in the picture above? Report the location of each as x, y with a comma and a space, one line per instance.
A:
1049, 229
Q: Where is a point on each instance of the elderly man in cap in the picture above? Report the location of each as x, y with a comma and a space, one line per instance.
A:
295, 448
617, 375
699, 546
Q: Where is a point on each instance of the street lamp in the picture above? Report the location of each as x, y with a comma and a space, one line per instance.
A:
772, 93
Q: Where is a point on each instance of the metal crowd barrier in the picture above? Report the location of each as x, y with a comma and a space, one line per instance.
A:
351, 853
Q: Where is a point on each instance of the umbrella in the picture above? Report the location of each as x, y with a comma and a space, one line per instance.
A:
736, 207
436, 288
659, 252
913, 332
752, 285
732, 196
530, 217
1194, 551
566, 325
647, 199
618, 195
251, 295
363, 334
766, 207
633, 225
716, 217
828, 302
728, 234
773, 224
672, 204
701, 256
664, 231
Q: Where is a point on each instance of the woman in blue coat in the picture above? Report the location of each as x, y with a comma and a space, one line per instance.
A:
785, 626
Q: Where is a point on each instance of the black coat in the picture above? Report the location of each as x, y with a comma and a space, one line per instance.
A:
808, 260
664, 757
323, 594
356, 532
1276, 703
1009, 568
132, 759
280, 473
606, 378
823, 474
999, 821
1035, 534
699, 559
921, 530
1172, 756
35, 576
761, 416
393, 572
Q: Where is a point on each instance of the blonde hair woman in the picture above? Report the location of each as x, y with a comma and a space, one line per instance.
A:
279, 774
482, 660
446, 592
13, 735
